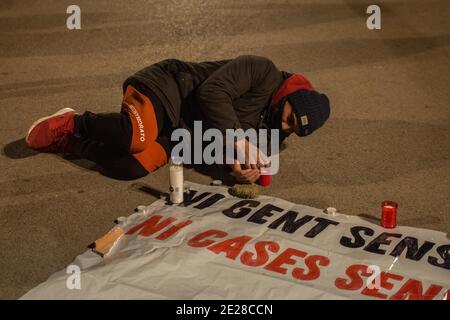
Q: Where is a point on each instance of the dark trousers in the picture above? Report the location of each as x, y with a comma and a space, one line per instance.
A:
106, 139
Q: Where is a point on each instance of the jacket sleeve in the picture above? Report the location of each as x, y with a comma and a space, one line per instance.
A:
216, 94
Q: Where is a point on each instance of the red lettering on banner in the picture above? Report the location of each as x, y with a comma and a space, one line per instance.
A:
234, 248
265, 254
355, 282
231, 247
284, 258
384, 283
172, 230
413, 290
312, 263
199, 242
261, 254
150, 226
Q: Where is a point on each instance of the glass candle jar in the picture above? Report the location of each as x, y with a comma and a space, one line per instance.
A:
264, 178
176, 180
389, 214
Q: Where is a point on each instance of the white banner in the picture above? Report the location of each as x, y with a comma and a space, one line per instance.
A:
216, 246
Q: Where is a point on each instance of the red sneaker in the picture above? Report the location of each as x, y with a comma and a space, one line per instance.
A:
64, 145
49, 131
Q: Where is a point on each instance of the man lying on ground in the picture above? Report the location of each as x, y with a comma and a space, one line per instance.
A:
245, 92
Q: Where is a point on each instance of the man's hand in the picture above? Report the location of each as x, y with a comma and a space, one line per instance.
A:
244, 175
250, 155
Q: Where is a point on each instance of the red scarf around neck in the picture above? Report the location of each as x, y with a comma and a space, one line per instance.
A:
293, 83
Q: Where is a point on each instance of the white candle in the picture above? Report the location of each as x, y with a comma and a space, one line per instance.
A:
176, 181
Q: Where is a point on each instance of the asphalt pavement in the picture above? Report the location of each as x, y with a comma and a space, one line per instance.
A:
388, 136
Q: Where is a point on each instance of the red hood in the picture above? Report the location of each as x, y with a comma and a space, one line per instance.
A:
293, 83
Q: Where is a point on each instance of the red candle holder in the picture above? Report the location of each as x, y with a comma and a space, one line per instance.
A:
264, 178
389, 214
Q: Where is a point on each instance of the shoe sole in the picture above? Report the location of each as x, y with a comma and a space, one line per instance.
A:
57, 113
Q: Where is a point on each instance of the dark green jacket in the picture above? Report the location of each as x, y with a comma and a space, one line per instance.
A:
224, 94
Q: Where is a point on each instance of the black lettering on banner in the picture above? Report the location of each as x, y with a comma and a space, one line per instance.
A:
267, 211
444, 252
290, 224
374, 245
320, 226
243, 211
413, 251
191, 199
210, 201
358, 239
